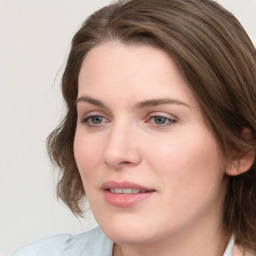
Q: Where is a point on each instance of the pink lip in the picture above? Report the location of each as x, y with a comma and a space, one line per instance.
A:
123, 184
125, 200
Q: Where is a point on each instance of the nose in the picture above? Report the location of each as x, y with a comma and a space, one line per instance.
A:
122, 149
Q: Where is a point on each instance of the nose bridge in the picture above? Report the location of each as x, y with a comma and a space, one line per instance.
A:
121, 148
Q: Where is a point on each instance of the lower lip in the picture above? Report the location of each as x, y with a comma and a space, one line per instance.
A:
125, 200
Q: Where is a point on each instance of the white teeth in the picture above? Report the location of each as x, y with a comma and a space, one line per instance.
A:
126, 190
116, 190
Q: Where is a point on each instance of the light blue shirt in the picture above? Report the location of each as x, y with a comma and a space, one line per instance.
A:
91, 243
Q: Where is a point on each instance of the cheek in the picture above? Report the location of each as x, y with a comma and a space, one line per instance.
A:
188, 160
190, 171
87, 155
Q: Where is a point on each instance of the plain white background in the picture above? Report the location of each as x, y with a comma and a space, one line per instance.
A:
34, 43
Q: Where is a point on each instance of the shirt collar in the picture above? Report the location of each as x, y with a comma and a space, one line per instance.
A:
229, 249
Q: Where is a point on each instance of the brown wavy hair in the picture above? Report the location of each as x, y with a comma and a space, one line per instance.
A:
217, 58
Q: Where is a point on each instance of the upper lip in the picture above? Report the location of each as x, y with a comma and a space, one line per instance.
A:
124, 184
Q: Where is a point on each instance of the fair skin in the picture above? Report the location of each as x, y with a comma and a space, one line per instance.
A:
139, 122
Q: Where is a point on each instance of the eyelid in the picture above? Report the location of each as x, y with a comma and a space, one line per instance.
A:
87, 113
84, 108
83, 117
163, 114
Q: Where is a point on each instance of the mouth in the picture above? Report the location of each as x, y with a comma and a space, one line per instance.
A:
127, 190
125, 194
125, 187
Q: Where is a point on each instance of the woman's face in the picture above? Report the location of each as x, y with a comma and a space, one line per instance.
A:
150, 166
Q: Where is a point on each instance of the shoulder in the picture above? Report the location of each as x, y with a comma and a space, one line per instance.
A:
93, 242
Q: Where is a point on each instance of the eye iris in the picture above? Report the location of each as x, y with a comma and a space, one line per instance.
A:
160, 120
96, 119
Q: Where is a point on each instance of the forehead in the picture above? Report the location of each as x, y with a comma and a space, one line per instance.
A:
137, 71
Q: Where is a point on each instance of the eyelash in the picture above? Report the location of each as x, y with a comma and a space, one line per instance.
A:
154, 120
169, 120
88, 120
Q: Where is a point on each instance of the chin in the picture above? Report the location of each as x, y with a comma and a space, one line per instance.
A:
128, 236
129, 232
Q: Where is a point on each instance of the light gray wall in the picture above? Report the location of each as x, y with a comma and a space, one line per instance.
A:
34, 43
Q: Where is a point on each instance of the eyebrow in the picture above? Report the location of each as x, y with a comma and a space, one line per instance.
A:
139, 105
91, 101
155, 102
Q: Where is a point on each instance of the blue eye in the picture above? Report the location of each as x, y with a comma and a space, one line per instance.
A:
161, 120
94, 120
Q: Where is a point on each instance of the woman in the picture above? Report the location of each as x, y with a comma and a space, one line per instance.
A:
160, 132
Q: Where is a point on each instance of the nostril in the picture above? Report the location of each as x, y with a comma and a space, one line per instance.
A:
117, 159
118, 165
124, 163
